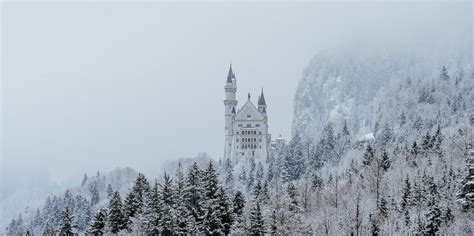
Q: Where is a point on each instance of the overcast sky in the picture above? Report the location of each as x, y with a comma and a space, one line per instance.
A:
93, 86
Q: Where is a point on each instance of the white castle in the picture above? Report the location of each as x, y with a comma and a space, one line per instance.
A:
246, 129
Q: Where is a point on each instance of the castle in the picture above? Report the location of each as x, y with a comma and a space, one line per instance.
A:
246, 129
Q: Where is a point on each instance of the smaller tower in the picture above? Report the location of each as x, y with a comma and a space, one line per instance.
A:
262, 105
230, 103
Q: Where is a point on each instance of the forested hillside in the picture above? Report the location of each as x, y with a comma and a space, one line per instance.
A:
399, 160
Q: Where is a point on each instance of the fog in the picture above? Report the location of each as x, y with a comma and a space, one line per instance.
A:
94, 86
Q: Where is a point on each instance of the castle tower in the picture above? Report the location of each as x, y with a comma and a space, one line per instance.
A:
230, 104
262, 105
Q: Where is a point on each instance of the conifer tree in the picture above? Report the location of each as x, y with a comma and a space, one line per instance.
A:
84, 180
251, 176
167, 213
385, 163
444, 74
116, 218
405, 202
110, 191
257, 223
180, 202
229, 176
368, 155
94, 190
195, 198
150, 214
225, 211
97, 226
66, 227
238, 213
212, 217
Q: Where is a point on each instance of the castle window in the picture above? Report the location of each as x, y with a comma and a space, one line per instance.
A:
249, 126
260, 132
248, 116
240, 125
257, 125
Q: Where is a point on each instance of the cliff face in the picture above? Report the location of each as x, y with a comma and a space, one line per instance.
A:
352, 85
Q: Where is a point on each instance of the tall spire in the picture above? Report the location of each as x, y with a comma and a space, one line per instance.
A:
261, 99
230, 75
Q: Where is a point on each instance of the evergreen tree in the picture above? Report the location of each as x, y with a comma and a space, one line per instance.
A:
94, 191
294, 159
194, 198
97, 226
465, 196
212, 216
293, 194
180, 202
150, 214
444, 74
238, 213
257, 223
229, 176
66, 227
433, 217
110, 191
225, 211
116, 218
405, 202
259, 173
84, 180
134, 201
385, 164
251, 177
368, 156
167, 214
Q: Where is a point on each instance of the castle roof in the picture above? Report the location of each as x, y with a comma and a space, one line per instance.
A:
249, 112
261, 100
230, 75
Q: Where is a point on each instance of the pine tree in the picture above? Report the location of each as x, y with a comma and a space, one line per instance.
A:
251, 177
225, 210
97, 226
444, 74
259, 173
110, 191
116, 218
134, 201
293, 194
66, 227
405, 202
294, 159
385, 164
257, 223
194, 198
167, 214
229, 176
238, 213
150, 213
433, 217
465, 197
180, 202
368, 155
212, 216
94, 191
84, 180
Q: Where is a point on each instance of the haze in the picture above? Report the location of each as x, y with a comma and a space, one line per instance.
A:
94, 86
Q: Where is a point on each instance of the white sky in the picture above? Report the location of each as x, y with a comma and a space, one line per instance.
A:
92, 86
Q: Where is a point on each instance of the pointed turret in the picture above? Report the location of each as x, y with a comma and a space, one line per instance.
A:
230, 75
262, 105
261, 99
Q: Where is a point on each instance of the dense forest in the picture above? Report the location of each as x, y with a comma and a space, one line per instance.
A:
413, 174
